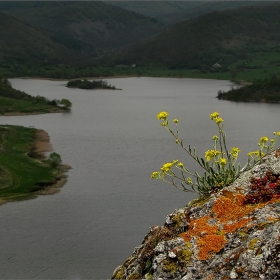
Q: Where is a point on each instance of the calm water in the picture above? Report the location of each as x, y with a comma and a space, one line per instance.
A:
113, 142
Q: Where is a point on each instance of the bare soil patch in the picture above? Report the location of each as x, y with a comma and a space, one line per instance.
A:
42, 142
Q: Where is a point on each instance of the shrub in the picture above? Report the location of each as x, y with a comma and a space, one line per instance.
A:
54, 159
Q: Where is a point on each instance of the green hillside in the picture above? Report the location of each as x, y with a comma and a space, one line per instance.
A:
243, 39
24, 46
171, 12
86, 27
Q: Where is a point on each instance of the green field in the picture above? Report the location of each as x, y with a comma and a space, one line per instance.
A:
258, 65
22, 176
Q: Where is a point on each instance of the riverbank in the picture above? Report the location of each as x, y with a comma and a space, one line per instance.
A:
24, 166
14, 102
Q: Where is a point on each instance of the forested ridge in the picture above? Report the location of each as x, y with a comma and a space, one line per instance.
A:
218, 37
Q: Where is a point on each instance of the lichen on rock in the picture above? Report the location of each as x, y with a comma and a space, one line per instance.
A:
221, 237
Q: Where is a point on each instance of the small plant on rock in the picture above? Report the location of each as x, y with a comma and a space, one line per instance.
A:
219, 163
263, 189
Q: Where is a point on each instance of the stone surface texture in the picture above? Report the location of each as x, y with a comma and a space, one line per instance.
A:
221, 237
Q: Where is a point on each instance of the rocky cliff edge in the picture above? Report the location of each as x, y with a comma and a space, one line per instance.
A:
233, 234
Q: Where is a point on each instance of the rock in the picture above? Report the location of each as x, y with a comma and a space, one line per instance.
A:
222, 237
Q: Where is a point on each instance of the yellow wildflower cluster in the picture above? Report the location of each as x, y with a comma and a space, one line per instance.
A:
162, 115
216, 117
235, 152
263, 139
218, 120
210, 154
223, 161
155, 175
256, 153
167, 166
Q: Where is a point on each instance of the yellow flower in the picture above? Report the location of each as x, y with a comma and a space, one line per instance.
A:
175, 120
272, 140
164, 123
189, 181
250, 154
218, 120
263, 139
180, 164
167, 166
235, 151
214, 115
278, 133
162, 115
223, 161
209, 154
257, 152
155, 175
215, 138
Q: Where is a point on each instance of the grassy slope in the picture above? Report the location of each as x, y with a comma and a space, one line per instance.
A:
14, 101
20, 173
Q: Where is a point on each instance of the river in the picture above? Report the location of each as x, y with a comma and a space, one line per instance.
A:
113, 142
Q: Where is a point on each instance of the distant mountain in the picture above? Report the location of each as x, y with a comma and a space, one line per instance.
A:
84, 26
218, 37
21, 45
171, 12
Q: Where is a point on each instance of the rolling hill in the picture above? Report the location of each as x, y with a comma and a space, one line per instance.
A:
21, 45
171, 12
93, 28
224, 37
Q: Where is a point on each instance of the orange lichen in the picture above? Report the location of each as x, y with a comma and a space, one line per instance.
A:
199, 227
209, 241
231, 209
209, 245
229, 213
235, 226
210, 277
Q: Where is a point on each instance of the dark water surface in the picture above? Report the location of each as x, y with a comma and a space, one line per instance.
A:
113, 142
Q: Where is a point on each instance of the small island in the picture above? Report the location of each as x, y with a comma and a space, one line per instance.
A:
267, 90
86, 84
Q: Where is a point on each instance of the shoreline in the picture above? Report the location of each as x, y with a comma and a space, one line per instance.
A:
116, 77
42, 146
